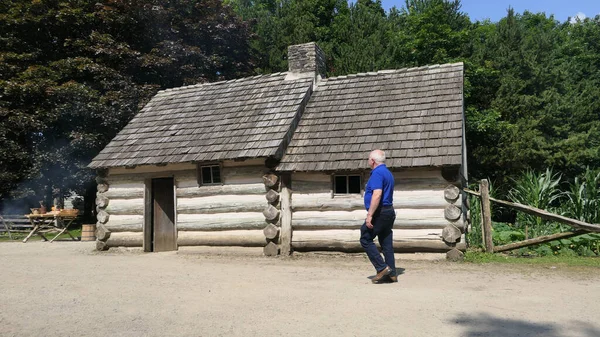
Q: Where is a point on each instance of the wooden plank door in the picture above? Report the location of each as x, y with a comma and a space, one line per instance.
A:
164, 234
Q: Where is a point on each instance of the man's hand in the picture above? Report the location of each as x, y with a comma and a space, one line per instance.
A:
374, 204
368, 221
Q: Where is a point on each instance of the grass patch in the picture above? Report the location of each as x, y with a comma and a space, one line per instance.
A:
16, 237
479, 257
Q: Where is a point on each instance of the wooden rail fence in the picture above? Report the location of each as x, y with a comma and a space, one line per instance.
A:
486, 221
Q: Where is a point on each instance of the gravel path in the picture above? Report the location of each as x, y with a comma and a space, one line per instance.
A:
68, 289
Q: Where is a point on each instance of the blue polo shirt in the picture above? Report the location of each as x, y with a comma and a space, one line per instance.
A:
381, 179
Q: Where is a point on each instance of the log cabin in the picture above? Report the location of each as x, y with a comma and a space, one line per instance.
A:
279, 161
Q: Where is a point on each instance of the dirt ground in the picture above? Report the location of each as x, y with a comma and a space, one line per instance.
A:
68, 289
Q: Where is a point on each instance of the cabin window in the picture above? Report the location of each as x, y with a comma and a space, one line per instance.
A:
348, 184
210, 174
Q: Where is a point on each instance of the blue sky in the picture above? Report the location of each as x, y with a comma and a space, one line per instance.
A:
496, 9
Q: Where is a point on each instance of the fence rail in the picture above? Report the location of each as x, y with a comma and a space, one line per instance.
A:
486, 221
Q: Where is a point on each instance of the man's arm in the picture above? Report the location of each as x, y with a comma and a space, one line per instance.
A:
375, 199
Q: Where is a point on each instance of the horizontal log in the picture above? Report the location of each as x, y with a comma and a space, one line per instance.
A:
411, 184
538, 240
272, 197
129, 180
451, 193
207, 191
244, 163
310, 187
102, 233
271, 231
434, 174
126, 207
125, 239
186, 177
152, 169
401, 214
270, 180
452, 213
125, 223
318, 224
401, 185
219, 222
354, 234
102, 188
349, 242
244, 175
451, 234
419, 173
402, 199
101, 200
355, 247
244, 238
101, 245
221, 204
102, 217
271, 249
271, 213
125, 192
310, 177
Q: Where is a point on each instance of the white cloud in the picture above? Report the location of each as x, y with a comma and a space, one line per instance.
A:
578, 17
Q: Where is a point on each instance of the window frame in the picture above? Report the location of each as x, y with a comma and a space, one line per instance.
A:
347, 176
199, 175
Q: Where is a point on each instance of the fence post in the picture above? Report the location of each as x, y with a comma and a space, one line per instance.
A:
486, 219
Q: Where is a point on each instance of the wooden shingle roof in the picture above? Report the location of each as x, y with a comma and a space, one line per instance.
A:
244, 118
415, 115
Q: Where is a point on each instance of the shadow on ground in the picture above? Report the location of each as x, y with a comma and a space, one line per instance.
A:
490, 326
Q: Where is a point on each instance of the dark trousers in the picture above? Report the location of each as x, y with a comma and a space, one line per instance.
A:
383, 221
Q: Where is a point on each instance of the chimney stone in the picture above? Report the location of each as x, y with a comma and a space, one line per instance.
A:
306, 60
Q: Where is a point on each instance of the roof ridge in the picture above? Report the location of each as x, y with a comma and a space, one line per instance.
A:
208, 84
395, 71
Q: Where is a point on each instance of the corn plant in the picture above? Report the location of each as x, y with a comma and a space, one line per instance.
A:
584, 198
540, 190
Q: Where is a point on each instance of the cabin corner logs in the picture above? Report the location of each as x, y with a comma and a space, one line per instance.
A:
253, 208
102, 233
272, 214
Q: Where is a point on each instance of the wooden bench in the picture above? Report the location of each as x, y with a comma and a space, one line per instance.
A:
14, 223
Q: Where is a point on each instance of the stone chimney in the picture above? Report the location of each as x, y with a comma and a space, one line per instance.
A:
306, 60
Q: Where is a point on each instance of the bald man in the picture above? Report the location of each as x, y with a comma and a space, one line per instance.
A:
379, 202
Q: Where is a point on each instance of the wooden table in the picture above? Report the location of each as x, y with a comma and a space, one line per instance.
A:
50, 223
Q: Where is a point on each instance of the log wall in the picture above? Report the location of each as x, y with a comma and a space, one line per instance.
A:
245, 210
204, 214
426, 208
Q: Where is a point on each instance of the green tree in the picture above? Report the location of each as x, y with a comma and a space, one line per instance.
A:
429, 32
74, 73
